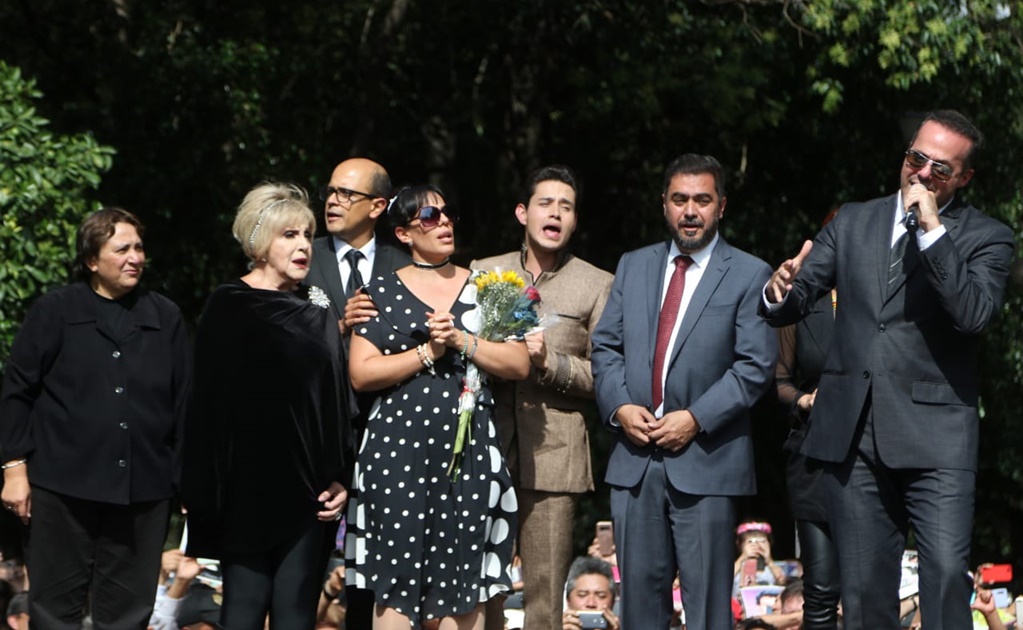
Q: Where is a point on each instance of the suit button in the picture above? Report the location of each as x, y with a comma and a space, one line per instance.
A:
881, 328
118, 390
866, 373
122, 463
124, 425
116, 354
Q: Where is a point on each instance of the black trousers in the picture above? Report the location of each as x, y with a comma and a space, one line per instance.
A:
821, 591
284, 581
360, 607
871, 508
79, 548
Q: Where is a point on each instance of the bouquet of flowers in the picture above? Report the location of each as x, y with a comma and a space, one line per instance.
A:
507, 311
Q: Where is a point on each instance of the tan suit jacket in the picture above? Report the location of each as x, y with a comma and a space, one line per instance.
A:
541, 419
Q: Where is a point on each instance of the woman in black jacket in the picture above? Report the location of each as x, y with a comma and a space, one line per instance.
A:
269, 451
90, 418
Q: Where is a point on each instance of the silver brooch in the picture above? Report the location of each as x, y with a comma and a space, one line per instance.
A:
318, 297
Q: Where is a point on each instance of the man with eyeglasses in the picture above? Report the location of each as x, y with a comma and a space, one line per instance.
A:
350, 253
354, 200
895, 418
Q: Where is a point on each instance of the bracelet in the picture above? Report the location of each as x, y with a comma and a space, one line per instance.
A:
13, 464
475, 344
425, 359
465, 344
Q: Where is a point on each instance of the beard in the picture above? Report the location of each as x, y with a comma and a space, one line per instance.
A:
688, 245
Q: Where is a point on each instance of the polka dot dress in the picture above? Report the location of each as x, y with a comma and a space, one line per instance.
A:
426, 546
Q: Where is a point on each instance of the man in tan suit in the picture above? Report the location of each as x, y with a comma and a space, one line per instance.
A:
540, 419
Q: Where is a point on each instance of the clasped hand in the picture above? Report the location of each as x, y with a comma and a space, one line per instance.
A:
444, 334
672, 432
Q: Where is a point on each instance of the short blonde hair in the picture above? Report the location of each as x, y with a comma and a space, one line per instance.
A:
265, 210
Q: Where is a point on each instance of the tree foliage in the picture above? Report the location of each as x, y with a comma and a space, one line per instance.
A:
44, 187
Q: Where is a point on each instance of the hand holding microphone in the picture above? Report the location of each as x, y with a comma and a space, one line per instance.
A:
913, 218
920, 204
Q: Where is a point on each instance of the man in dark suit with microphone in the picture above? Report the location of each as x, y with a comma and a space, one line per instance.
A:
342, 261
895, 419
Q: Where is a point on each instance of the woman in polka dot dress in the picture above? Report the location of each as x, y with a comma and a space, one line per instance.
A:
429, 547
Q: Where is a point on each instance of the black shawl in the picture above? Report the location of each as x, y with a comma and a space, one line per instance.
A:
268, 425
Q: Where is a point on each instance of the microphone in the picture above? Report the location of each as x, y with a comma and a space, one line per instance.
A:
912, 220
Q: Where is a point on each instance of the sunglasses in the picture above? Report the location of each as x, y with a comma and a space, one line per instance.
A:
941, 171
429, 216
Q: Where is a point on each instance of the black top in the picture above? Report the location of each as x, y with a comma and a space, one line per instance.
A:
98, 412
268, 426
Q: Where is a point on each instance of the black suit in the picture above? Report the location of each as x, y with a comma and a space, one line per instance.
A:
896, 408
324, 271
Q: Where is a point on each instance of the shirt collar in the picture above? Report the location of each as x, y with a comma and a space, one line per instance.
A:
368, 250
700, 258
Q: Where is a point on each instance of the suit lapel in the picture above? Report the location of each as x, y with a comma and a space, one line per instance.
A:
325, 250
389, 259
883, 243
383, 262
952, 215
656, 265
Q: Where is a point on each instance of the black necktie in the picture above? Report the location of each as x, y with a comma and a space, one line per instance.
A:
352, 257
895, 261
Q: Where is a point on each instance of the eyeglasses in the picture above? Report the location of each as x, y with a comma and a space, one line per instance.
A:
941, 171
429, 216
344, 195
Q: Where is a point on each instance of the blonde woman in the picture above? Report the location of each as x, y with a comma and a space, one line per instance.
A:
268, 452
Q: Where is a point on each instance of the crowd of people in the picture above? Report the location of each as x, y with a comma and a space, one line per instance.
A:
437, 418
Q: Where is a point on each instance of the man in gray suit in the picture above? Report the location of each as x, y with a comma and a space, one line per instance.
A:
679, 357
354, 200
895, 417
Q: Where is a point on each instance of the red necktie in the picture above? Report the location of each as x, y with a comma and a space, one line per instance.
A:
666, 322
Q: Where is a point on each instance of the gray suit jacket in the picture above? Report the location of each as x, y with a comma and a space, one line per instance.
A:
722, 362
324, 272
914, 351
